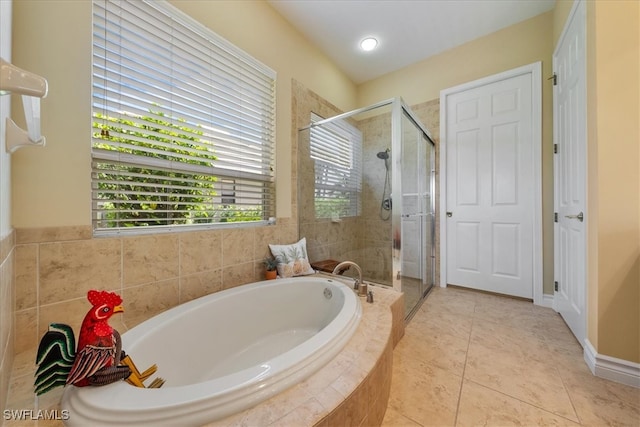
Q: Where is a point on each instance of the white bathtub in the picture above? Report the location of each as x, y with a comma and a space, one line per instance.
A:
224, 353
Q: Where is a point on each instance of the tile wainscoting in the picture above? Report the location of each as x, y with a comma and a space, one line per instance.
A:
55, 267
7, 331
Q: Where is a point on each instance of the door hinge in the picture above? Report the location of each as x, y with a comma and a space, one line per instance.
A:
555, 284
555, 217
555, 148
554, 78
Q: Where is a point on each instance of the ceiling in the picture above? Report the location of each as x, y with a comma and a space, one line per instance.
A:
408, 31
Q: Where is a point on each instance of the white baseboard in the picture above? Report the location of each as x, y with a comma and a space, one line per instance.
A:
611, 368
547, 301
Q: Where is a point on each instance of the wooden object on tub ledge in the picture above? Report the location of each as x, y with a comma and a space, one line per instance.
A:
328, 265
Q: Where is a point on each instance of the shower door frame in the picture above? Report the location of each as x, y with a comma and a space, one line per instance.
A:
398, 109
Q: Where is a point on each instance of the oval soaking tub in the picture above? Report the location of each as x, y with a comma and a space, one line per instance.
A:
224, 353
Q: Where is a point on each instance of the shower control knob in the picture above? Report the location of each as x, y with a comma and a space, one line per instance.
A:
449, 214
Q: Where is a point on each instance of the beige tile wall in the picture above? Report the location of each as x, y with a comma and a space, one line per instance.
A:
364, 239
374, 233
325, 239
55, 267
7, 255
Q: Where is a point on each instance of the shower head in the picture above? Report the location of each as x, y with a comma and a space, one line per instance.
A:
384, 155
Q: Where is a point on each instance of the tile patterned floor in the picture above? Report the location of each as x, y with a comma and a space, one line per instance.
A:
470, 358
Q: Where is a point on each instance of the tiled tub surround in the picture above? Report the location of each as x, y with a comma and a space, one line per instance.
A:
7, 336
351, 390
55, 267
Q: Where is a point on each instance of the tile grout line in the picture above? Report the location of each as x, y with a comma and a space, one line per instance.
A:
36, 402
524, 402
464, 368
566, 390
515, 397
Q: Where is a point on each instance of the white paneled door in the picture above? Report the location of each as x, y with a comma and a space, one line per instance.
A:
569, 97
490, 185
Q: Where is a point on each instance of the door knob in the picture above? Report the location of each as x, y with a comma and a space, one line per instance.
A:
449, 214
579, 217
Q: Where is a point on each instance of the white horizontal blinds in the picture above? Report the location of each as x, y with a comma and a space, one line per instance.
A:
336, 149
186, 113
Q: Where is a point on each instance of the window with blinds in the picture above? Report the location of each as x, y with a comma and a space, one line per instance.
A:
336, 149
183, 123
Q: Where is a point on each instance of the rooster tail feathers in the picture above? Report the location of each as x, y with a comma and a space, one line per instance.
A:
44, 384
59, 338
55, 357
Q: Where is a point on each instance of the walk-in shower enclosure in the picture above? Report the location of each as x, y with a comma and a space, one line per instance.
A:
366, 186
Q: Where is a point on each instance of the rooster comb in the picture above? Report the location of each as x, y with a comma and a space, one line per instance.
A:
97, 298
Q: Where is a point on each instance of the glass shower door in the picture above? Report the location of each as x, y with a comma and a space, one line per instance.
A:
415, 220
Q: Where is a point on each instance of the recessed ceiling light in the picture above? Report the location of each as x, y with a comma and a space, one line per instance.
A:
368, 44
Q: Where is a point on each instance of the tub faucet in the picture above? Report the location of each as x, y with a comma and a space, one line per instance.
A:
344, 264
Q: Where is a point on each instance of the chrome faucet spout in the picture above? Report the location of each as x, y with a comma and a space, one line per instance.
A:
344, 264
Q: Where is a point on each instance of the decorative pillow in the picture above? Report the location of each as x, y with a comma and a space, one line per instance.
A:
292, 259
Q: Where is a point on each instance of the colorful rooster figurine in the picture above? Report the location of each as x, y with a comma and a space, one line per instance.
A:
97, 358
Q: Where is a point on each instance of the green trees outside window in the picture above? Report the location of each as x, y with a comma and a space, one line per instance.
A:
134, 195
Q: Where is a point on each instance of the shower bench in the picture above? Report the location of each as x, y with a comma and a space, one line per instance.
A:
327, 266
